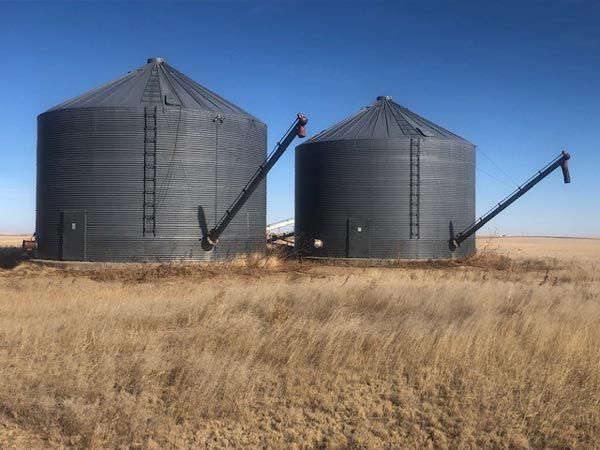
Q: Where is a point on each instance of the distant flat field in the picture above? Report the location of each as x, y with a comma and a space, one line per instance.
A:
12, 240
540, 247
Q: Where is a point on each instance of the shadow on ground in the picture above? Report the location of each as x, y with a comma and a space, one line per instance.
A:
11, 257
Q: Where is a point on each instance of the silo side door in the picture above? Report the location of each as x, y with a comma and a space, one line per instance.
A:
358, 238
73, 234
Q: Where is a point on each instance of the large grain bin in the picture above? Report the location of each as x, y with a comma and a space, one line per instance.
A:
384, 183
138, 169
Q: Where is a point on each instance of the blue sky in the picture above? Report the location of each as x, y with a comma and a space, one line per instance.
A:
520, 79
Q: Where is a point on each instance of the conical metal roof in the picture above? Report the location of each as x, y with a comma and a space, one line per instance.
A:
383, 119
155, 83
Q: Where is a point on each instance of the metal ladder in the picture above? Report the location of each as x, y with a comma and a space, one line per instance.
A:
149, 171
415, 186
152, 92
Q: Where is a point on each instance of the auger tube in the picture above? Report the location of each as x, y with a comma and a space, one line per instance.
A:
298, 129
560, 161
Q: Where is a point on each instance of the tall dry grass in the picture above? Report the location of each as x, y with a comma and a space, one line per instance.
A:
493, 352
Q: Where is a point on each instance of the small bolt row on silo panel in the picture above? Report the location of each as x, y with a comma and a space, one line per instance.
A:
384, 183
140, 168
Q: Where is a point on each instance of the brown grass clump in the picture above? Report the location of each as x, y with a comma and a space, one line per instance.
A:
493, 352
10, 257
11, 254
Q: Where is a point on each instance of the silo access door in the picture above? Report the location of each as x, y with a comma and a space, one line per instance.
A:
358, 238
73, 235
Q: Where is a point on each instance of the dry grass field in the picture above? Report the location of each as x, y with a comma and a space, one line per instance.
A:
498, 351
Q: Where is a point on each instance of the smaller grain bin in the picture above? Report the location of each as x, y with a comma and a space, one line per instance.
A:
384, 183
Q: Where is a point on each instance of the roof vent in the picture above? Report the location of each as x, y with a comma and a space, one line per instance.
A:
384, 97
156, 60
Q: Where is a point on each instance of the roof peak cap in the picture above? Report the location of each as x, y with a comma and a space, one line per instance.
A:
155, 60
384, 97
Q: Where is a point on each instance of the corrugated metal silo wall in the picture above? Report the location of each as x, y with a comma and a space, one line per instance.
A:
93, 159
370, 180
